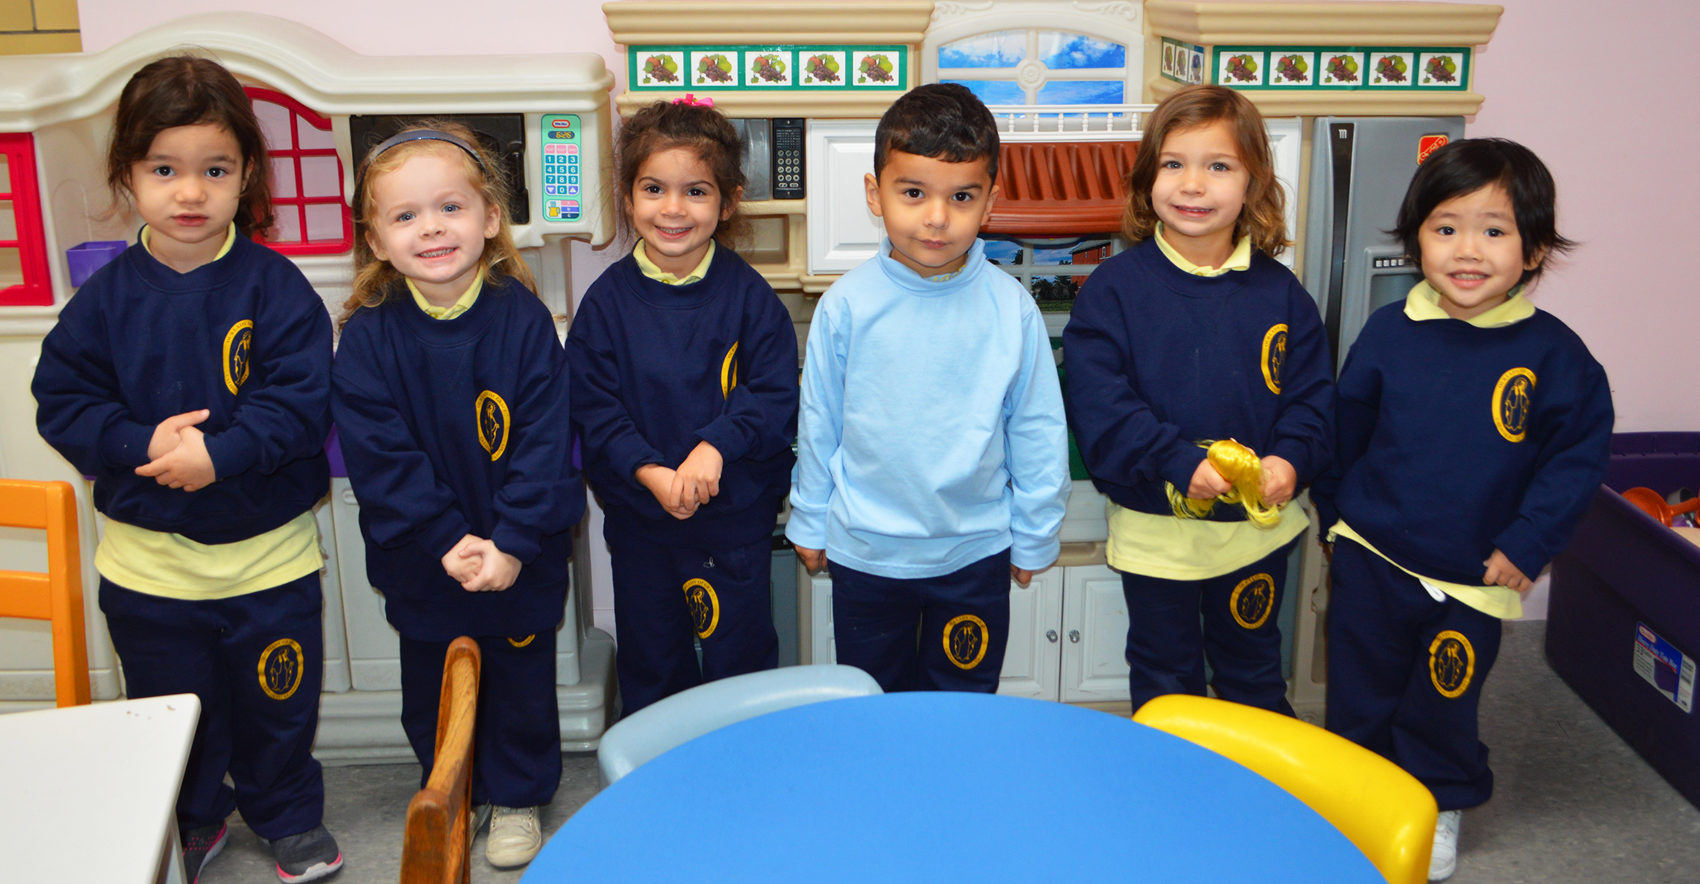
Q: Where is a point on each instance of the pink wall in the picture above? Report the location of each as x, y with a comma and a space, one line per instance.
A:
1603, 92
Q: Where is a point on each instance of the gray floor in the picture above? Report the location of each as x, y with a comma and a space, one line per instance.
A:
1573, 803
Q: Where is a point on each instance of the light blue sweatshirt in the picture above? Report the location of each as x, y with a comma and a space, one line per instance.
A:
931, 433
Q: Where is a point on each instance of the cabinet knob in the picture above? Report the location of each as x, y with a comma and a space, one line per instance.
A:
1051, 636
1074, 636
348, 497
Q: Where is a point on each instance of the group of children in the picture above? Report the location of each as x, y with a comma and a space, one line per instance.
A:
194, 379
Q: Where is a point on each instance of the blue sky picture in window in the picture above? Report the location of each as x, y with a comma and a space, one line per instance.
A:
1004, 49
995, 91
1060, 50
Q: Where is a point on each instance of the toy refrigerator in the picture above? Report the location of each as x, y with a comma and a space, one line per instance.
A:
1360, 167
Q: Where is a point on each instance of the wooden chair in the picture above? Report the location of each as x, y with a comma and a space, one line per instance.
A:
57, 594
1376, 805
689, 714
437, 842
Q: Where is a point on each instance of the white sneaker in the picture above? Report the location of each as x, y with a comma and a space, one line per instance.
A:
515, 836
1444, 860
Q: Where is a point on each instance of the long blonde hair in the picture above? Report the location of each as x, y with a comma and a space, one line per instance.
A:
376, 280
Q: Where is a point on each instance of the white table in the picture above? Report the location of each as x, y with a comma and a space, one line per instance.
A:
91, 791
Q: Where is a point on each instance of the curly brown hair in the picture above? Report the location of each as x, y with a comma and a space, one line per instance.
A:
702, 130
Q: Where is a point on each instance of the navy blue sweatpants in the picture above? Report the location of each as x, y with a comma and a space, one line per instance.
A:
1167, 643
944, 633
256, 662
1405, 674
516, 751
668, 598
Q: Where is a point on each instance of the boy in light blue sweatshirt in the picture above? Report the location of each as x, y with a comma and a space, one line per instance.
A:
932, 461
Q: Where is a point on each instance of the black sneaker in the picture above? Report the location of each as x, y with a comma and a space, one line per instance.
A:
309, 856
199, 845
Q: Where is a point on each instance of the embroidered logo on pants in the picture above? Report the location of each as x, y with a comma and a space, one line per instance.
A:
965, 641
1451, 663
281, 667
1252, 601
704, 605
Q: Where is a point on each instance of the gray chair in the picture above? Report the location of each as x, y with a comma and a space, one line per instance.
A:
687, 715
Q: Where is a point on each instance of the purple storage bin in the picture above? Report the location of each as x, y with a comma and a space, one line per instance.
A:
86, 258
1623, 620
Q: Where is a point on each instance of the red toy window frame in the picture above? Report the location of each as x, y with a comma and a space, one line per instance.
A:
19, 188
300, 201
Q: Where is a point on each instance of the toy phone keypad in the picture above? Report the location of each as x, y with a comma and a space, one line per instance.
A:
788, 158
563, 169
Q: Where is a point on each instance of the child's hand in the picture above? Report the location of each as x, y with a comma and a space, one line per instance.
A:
698, 479
461, 563
186, 466
1207, 484
167, 434
659, 480
1280, 480
1500, 572
814, 560
496, 571
1021, 576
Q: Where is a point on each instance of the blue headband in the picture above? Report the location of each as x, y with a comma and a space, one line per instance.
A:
425, 135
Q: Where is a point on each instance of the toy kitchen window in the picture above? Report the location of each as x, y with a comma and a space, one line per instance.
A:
23, 251
313, 217
503, 135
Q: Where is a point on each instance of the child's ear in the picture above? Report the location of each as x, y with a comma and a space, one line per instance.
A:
1535, 260
872, 184
492, 220
730, 203
377, 247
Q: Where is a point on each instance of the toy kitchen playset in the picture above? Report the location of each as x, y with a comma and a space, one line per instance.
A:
1344, 87
322, 106
1354, 95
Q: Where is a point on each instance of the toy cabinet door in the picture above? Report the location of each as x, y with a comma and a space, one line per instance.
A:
1094, 619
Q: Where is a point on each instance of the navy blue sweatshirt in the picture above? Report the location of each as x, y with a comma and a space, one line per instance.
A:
659, 368
1159, 359
1455, 441
455, 427
244, 336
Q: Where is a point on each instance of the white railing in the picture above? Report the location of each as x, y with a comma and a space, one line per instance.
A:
1070, 122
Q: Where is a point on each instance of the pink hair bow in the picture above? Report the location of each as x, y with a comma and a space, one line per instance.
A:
694, 101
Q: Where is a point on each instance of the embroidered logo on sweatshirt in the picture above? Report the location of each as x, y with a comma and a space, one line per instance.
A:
492, 423
704, 605
729, 371
281, 667
1252, 601
1513, 399
965, 641
522, 642
1274, 355
236, 343
1451, 663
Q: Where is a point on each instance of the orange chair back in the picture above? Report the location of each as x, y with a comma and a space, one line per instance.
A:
437, 844
57, 594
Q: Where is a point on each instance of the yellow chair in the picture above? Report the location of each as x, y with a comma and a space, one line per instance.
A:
1376, 805
437, 842
57, 595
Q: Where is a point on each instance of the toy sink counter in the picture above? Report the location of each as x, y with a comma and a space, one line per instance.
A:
1623, 626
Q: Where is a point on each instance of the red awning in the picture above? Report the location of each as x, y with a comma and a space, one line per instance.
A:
1061, 188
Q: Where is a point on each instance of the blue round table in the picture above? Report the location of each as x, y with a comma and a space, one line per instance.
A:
932, 787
